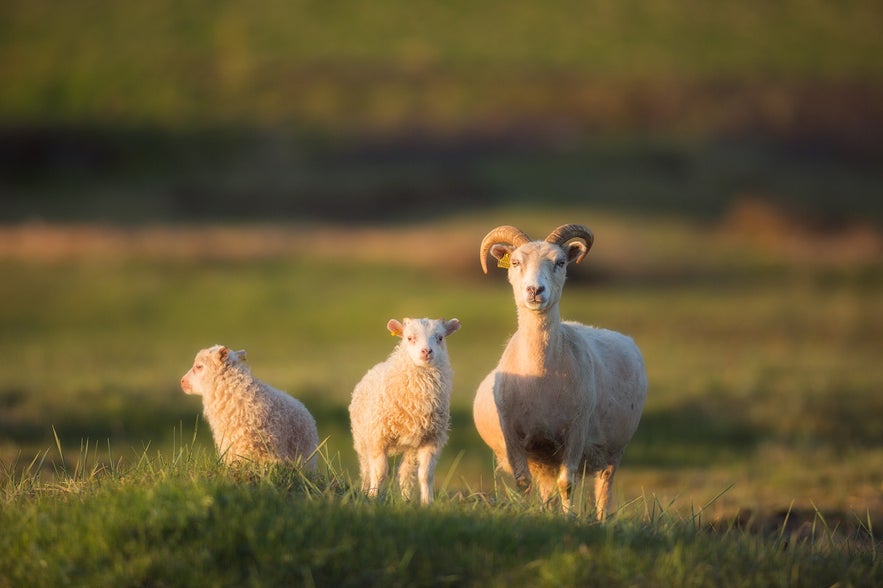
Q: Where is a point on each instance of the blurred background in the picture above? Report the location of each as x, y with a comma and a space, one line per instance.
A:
285, 176
397, 110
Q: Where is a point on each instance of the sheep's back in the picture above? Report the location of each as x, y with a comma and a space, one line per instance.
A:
251, 419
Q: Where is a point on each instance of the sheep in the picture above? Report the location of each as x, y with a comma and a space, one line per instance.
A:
565, 399
250, 420
402, 406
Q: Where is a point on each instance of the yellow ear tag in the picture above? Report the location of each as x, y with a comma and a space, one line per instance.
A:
395, 333
503, 262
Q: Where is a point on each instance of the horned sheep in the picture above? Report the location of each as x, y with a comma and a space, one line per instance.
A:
565, 399
402, 406
250, 420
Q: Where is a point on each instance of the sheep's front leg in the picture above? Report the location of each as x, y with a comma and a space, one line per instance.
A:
603, 489
517, 458
568, 471
566, 477
378, 466
427, 456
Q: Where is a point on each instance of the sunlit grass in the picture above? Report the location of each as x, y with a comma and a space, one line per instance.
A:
756, 368
180, 517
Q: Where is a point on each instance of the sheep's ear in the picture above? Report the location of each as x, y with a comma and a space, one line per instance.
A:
576, 251
223, 352
451, 327
501, 253
241, 355
395, 328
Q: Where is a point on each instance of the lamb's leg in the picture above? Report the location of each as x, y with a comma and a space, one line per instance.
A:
407, 469
603, 489
427, 457
364, 475
364, 472
378, 467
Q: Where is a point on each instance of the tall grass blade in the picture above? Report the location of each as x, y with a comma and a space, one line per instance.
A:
60, 451
447, 480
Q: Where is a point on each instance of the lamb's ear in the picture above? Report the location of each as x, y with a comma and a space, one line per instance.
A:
576, 251
223, 352
395, 328
451, 327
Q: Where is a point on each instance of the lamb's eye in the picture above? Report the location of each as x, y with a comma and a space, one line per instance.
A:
440, 338
410, 338
559, 264
197, 367
515, 263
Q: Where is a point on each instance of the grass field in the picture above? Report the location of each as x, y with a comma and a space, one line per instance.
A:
763, 360
286, 177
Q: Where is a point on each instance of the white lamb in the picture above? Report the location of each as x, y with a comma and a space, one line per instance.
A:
564, 399
250, 420
403, 406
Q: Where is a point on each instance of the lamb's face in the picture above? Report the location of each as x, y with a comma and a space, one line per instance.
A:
537, 271
424, 339
207, 365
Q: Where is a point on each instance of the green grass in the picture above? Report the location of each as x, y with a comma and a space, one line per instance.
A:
180, 519
757, 363
761, 428
660, 124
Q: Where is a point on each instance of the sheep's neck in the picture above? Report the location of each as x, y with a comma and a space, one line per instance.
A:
539, 340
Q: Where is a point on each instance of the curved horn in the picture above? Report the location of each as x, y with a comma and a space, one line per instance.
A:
502, 234
565, 233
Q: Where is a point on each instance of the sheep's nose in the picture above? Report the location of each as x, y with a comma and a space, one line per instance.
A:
535, 290
427, 352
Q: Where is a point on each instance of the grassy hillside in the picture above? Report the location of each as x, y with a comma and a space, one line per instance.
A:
181, 521
286, 177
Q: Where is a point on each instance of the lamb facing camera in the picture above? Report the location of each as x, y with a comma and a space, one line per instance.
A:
403, 406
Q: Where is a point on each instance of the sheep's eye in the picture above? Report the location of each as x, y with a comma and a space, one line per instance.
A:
440, 338
559, 264
410, 338
197, 367
515, 263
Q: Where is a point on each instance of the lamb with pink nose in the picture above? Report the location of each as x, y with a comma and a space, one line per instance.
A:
403, 406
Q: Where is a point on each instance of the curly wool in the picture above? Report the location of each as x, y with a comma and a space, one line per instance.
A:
403, 406
399, 406
253, 421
